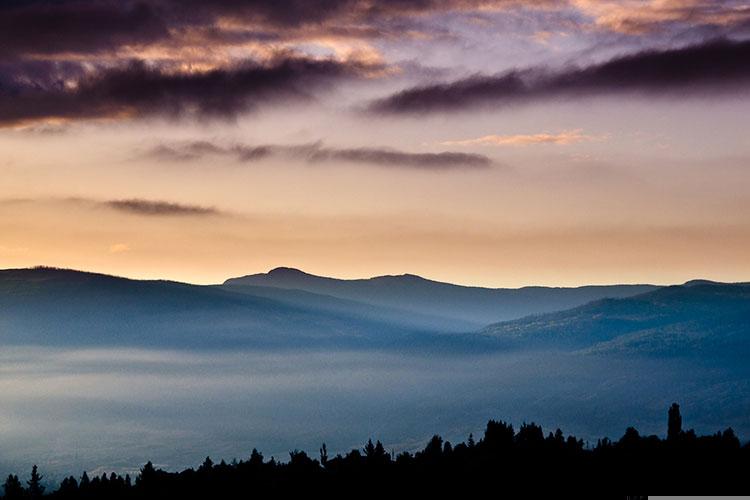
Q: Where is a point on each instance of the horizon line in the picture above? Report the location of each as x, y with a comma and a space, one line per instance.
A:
395, 275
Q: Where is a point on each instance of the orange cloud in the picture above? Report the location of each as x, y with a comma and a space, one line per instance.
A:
561, 139
637, 17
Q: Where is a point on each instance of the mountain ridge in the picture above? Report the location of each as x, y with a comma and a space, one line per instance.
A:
51, 306
473, 305
693, 318
58, 306
296, 272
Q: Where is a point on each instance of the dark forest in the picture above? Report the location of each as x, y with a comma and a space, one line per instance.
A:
503, 461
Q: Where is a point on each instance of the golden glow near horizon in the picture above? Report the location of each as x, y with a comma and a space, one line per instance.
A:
552, 188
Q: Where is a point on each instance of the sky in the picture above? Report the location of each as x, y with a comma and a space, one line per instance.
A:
495, 143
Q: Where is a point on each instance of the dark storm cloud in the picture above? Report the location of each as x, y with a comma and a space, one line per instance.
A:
157, 208
55, 27
706, 68
277, 12
90, 26
138, 89
296, 13
319, 153
49, 27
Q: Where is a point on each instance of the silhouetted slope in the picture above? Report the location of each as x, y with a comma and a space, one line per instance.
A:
474, 305
696, 318
52, 306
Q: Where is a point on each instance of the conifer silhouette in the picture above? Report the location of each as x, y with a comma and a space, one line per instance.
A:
35, 490
529, 464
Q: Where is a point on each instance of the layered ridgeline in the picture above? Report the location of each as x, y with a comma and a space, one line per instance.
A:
458, 307
45, 306
698, 318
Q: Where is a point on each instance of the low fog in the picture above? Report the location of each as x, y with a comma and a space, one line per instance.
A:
106, 409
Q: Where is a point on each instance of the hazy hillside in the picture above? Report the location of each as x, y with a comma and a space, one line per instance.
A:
90, 359
475, 306
391, 315
696, 318
52, 306
61, 307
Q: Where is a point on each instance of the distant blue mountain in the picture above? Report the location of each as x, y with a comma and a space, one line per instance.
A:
699, 318
61, 307
46, 306
336, 305
459, 307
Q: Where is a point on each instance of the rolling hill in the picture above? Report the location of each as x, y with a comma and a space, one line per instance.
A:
46, 306
697, 318
458, 306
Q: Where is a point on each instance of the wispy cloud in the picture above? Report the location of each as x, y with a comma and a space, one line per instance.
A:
708, 68
184, 152
317, 152
157, 208
636, 17
134, 206
561, 139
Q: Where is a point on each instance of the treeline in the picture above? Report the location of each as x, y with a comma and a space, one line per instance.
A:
504, 462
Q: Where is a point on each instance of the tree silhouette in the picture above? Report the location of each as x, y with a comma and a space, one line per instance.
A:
513, 464
207, 465
36, 490
369, 449
85, 482
13, 488
674, 425
323, 455
434, 448
497, 436
256, 458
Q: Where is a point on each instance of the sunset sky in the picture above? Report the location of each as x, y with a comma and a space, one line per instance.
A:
496, 143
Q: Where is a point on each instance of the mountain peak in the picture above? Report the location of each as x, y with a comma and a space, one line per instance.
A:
412, 276
697, 282
286, 271
401, 277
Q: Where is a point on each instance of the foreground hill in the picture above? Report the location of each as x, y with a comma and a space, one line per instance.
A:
52, 307
459, 306
700, 317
